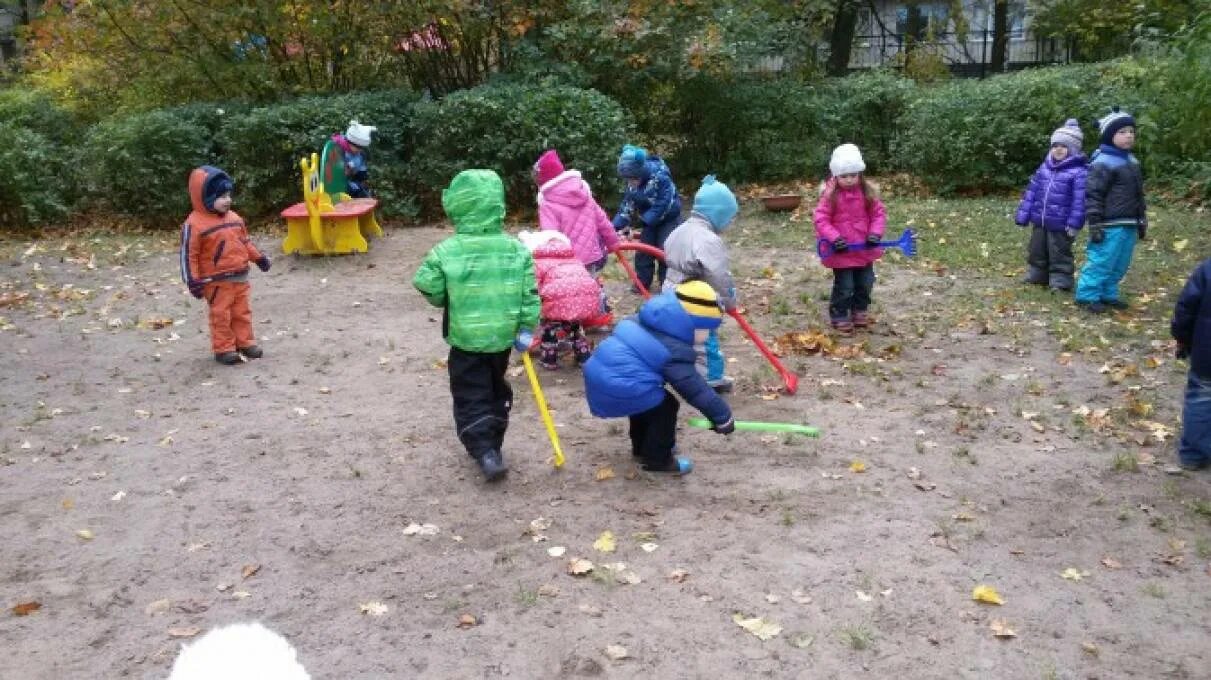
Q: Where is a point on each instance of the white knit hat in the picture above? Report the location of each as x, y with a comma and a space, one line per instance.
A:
359, 134
847, 160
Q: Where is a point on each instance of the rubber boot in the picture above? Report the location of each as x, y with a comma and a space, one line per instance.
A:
228, 358
252, 352
493, 465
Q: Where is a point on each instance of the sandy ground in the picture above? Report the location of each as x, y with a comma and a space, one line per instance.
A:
280, 491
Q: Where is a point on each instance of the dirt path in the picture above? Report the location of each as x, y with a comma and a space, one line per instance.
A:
987, 460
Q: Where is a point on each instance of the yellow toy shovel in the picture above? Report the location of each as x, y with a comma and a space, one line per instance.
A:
542, 408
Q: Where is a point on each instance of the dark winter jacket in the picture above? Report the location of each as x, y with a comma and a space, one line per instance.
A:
627, 373
655, 201
1192, 320
1114, 193
1055, 197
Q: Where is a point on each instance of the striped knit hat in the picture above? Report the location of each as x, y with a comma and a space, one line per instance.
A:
1112, 123
701, 302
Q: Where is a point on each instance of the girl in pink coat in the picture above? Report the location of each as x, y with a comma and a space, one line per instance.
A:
566, 205
570, 295
850, 212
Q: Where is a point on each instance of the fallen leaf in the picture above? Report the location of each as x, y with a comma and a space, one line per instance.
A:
415, 529
1111, 563
1073, 574
863, 596
678, 575
1001, 629
987, 594
250, 570
68, 504
466, 621
629, 578
772, 598
1089, 648
604, 474
118, 496
85, 534
183, 632
539, 525
1180, 245
857, 466
605, 542
648, 547
300, 411
762, 629
616, 652
241, 594
373, 608
914, 473
962, 517
801, 597
925, 486
1037, 426
548, 590
26, 608
158, 607
556, 551
516, 372
578, 566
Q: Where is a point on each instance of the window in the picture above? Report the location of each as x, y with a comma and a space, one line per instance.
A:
934, 19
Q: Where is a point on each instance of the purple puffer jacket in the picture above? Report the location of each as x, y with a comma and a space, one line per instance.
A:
1055, 197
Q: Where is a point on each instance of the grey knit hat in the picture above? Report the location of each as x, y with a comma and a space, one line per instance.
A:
1069, 134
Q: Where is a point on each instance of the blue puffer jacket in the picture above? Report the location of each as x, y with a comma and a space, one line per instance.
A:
1192, 320
1055, 197
628, 370
654, 201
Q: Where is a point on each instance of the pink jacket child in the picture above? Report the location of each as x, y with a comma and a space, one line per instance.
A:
566, 205
850, 213
570, 295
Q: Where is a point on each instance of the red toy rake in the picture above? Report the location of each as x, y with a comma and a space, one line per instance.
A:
789, 380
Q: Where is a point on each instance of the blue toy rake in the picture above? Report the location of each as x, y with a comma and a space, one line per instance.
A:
906, 243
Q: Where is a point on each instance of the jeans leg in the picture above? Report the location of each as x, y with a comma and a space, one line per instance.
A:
842, 297
1195, 445
864, 283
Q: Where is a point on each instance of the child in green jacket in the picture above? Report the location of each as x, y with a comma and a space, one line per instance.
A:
484, 281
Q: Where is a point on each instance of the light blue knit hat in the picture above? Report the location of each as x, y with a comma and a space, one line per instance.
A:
631, 161
716, 203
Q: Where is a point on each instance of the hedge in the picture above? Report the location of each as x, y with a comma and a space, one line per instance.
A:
960, 135
506, 127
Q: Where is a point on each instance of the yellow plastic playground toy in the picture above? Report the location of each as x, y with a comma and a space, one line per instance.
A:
317, 226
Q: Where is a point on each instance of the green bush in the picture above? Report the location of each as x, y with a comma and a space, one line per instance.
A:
746, 131
36, 168
262, 147
138, 165
991, 134
865, 109
35, 180
506, 127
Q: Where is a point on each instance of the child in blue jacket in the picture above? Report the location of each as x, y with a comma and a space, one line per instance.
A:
626, 376
1191, 328
650, 203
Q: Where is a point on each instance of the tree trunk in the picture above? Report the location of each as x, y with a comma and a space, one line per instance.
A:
841, 42
1000, 35
913, 30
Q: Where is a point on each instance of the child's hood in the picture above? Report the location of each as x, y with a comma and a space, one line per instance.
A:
206, 184
475, 202
665, 314
566, 188
546, 243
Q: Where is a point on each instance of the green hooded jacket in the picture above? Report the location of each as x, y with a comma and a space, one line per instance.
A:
483, 277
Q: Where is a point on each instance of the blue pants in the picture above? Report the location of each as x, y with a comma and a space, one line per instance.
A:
1106, 264
1195, 446
645, 265
852, 287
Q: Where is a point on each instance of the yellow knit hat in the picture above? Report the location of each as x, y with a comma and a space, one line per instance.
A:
701, 302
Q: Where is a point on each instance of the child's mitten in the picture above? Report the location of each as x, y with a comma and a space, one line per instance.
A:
1143, 230
1097, 234
872, 240
195, 289
840, 245
525, 338
725, 428
263, 263
1070, 232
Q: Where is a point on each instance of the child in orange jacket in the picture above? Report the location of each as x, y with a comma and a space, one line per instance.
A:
215, 252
